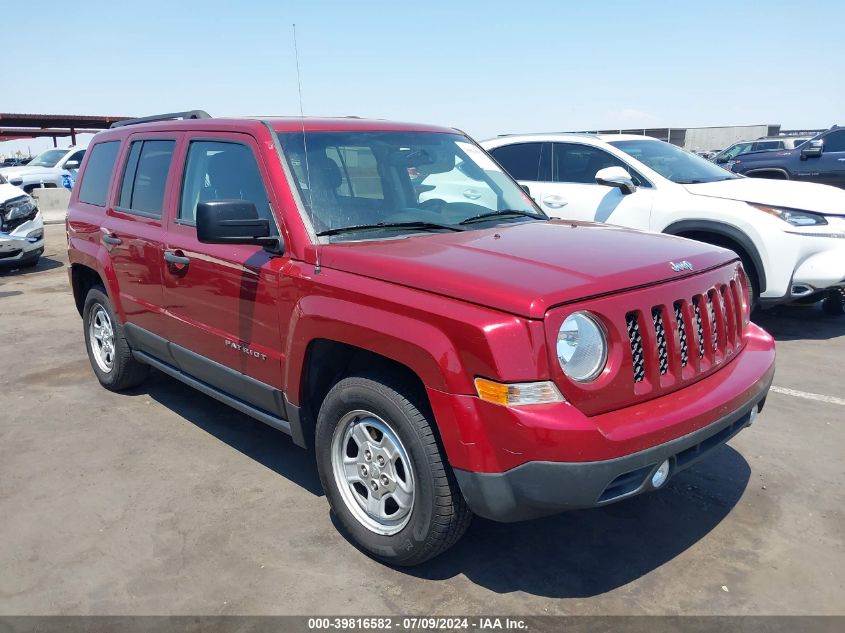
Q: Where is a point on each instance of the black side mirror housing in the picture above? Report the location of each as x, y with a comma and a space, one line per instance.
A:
72, 164
526, 189
721, 160
234, 222
812, 149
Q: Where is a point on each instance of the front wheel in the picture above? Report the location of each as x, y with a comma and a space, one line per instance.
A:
384, 474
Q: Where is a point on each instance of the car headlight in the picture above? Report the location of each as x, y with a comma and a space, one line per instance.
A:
792, 216
19, 208
582, 347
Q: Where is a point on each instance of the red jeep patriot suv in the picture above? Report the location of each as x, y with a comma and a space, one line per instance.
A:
387, 293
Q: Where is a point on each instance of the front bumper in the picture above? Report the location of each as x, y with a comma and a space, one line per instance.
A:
515, 463
538, 489
24, 243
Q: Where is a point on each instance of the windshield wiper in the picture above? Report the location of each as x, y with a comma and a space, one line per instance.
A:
503, 212
390, 225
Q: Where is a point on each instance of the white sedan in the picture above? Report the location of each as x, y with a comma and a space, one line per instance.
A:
790, 235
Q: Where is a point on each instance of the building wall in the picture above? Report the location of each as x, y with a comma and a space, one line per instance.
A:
715, 138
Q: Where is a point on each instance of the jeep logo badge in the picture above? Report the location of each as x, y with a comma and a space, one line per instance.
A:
679, 266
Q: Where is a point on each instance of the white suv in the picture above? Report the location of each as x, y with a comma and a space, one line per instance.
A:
790, 235
52, 168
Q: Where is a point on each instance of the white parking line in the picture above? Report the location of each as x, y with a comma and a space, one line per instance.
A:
809, 396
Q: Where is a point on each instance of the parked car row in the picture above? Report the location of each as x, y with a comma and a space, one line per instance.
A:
389, 295
761, 144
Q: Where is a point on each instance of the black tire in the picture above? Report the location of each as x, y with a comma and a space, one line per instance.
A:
439, 515
126, 372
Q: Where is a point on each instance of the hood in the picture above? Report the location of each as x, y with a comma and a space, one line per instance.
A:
807, 196
525, 268
8, 192
26, 170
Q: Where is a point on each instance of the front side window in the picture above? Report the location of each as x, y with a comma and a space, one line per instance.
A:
94, 188
374, 185
577, 163
218, 170
145, 177
521, 160
835, 142
672, 162
49, 158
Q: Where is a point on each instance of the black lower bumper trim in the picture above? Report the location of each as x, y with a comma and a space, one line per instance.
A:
537, 489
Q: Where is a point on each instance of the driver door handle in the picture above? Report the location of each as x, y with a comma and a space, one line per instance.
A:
554, 202
174, 260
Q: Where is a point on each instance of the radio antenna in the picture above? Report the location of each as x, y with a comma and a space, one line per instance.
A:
305, 146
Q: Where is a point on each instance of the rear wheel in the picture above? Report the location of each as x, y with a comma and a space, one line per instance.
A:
383, 471
108, 350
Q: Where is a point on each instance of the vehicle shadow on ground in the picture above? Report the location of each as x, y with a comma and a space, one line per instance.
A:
44, 263
267, 446
799, 322
590, 552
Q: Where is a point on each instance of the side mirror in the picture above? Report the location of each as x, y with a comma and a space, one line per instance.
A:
721, 160
234, 222
525, 189
616, 177
812, 149
72, 164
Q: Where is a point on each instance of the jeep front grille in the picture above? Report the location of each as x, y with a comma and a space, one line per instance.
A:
688, 337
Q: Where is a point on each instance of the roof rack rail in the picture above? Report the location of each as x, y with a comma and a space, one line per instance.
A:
188, 114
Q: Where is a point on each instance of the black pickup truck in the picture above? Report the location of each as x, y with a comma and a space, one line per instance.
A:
821, 159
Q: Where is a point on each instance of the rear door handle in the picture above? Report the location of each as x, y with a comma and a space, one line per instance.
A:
174, 259
555, 202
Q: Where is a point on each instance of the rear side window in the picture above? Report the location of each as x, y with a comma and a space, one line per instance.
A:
769, 145
521, 161
218, 170
835, 142
145, 177
94, 188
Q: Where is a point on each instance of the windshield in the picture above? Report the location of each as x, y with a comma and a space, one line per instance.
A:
49, 158
372, 185
672, 162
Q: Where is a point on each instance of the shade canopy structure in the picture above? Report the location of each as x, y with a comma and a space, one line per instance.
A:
21, 126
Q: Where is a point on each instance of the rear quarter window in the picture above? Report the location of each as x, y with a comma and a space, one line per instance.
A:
94, 187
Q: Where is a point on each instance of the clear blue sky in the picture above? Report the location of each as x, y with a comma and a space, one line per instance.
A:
486, 67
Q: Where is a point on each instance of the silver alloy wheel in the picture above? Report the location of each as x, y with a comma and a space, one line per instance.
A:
373, 472
101, 338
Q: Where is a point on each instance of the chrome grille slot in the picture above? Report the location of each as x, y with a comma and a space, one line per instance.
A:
711, 313
699, 327
682, 332
637, 351
660, 334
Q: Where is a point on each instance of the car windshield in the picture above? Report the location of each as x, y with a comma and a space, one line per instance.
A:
372, 185
672, 162
49, 158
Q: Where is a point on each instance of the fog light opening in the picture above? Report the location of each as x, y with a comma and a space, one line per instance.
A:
660, 475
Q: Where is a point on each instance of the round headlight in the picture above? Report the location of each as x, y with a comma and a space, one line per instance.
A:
582, 347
